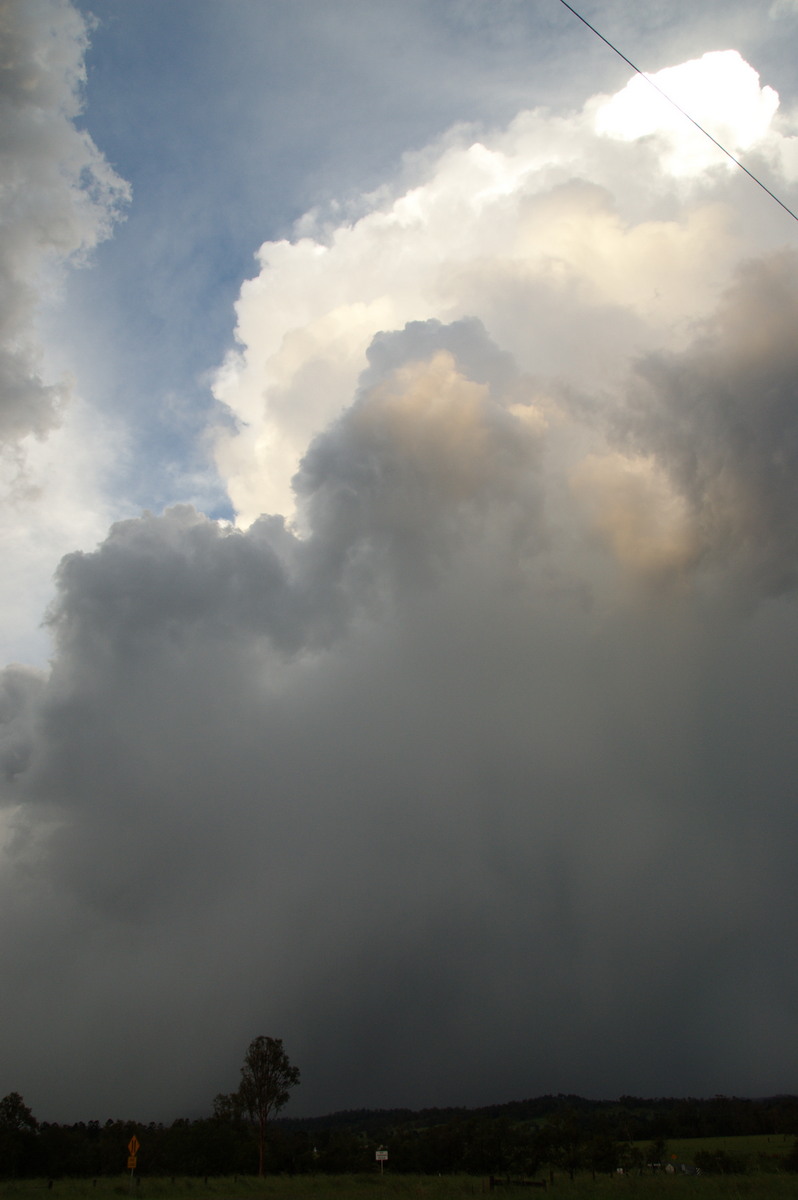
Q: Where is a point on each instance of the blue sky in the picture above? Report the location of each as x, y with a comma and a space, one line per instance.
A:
398, 476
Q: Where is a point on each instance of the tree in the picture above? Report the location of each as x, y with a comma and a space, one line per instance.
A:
15, 1116
227, 1109
18, 1136
266, 1081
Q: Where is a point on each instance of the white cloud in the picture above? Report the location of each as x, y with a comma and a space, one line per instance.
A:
59, 199
53, 503
720, 91
574, 247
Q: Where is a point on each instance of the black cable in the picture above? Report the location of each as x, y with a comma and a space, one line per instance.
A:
692, 120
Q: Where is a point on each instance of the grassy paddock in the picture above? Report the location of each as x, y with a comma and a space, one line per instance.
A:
756, 1186
750, 1146
278, 1187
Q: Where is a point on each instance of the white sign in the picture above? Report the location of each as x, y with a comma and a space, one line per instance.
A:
381, 1156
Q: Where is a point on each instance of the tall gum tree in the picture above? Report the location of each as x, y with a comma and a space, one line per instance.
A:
267, 1078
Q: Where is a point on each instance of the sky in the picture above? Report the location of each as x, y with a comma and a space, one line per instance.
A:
399, 482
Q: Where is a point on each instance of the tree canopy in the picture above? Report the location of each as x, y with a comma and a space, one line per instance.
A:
267, 1078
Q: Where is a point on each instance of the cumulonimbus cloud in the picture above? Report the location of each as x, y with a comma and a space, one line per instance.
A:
573, 239
462, 744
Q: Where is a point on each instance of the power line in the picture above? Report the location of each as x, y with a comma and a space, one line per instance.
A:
678, 107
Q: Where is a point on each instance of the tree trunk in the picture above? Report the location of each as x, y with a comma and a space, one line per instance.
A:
261, 1146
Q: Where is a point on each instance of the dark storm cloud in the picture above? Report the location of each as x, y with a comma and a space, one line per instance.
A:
431, 446
19, 693
455, 819
156, 576
424, 445
722, 419
199, 752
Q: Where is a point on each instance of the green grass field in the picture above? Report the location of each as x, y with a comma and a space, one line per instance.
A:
411, 1187
751, 1147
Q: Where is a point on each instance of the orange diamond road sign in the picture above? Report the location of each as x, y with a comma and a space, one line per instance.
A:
131, 1163
134, 1145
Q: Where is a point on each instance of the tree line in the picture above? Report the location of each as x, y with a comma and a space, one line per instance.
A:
519, 1139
